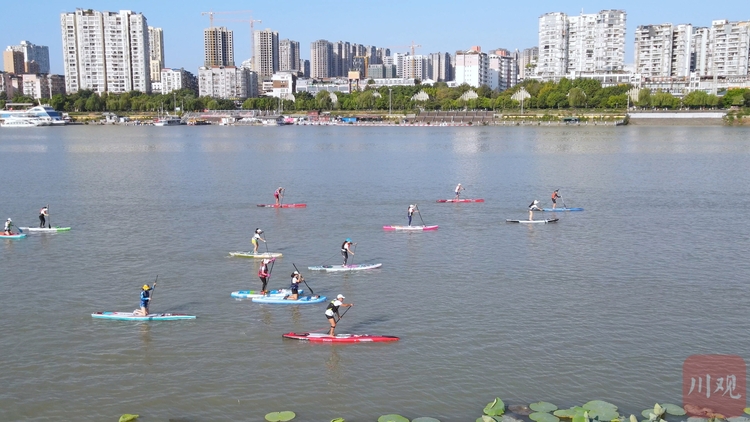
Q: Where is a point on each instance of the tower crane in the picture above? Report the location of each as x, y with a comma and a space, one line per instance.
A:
212, 13
252, 31
413, 46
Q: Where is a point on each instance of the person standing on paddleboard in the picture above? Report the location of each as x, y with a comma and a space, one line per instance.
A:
296, 280
278, 194
412, 209
555, 197
534, 206
7, 228
255, 239
264, 274
458, 190
346, 249
42, 214
145, 299
332, 312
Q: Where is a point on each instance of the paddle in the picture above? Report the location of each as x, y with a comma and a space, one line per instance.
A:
49, 219
153, 291
353, 250
13, 225
563, 201
342, 315
303, 279
420, 214
266, 242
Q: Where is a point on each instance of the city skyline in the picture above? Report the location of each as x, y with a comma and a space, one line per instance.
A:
390, 24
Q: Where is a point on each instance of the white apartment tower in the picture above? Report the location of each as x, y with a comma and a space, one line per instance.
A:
105, 51
227, 82
472, 67
610, 48
266, 52
38, 54
218, 46
729, 48
527, 61
288, 55
321, 54
553, 44
583, 40
682, 54
156, 51
653, 50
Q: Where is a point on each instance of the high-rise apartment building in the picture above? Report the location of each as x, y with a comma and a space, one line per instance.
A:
288, 55
13, 61
105, 51
35, 57
503, 69
321, 54
440, 67
227, 82
218, 45
156, 52
527, 62
610, 48
266, 53
472, 67
553, 44
653, 50
177, 79
729, 48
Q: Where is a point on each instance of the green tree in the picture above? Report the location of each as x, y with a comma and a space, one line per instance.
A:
644, 97
323, 100
576, 97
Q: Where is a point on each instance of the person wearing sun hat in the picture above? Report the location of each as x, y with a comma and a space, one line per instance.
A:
332, 312
145, 299
346, 249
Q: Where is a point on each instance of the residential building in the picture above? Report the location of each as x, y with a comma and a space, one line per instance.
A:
610, 48
105, 51
288, 55
503, 69
284, 84
472, 67
13, 61
416, 67
218, 45
43, 85
653, 50
682, 42
553, 44
35, 57
11, 84
176, 79
701, 52
729, 48
266, 53
304, 68
156, 52
440, 67
321, 55
227, 82
527, 62
375, 71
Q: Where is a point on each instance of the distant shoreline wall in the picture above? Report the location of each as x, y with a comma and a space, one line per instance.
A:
713, 118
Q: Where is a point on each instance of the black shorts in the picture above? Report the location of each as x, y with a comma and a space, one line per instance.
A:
554, 200
295, 290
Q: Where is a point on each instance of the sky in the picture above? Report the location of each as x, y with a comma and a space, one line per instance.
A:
436, 25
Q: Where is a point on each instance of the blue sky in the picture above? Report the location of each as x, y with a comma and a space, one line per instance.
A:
437, 25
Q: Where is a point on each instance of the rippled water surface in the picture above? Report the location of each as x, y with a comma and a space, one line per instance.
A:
606, 304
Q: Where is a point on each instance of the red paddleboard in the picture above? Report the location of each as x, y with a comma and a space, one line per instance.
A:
460, 200
339, 338
283, 205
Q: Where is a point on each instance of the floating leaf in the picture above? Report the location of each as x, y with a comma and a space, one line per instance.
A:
425, 419
579, 417
604, 414
543, 417
520, 409
674, 409
338, 420
485, 418
543, 406
392, 418
647, 412
658, 410
280, 416
495, 408
598, 405
633, 418
747, 410
128, 418
565, 413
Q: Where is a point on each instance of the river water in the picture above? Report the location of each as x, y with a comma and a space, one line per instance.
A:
606, 304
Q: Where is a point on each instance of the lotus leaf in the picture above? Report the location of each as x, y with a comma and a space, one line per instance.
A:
604, 414
673, 409
485, 418
128, 418
646, 413
425, 420
543, 406
543, 417
658, 410
747, 410
495, 408
633, 418
520, 409
598, 405
565, 413
280, 416
338, 420
579, 417
392, 418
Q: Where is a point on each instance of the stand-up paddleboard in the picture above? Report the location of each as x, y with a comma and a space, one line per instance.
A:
45, 230
12, 236
552, 220
357, 267
251, 294
283, 205
410, 228
129, 316
561, 209
339, 338
459, 200
279, 300
256, 255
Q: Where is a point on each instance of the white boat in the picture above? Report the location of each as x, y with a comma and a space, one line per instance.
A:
168, 121
18, 121
45, 113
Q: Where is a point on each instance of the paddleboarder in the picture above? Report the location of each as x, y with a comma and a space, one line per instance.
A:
255, 239
346, 249
42, 214
278, 194
145, 300
555, 197
264, 273
332, 312
534, 206
296, 280
458, 190
8, 225
412, 209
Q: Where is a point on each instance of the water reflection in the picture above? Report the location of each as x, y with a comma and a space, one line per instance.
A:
333, 365
145, 332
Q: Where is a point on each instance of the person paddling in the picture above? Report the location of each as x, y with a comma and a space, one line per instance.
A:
332, 312
412, 209
534, 206
278, 194
346, 249
296, 280
555, 197
145, 299
264, 273
8, 227
43, 213
458, 190
255, 239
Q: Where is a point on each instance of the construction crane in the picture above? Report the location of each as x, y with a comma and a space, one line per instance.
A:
413, 46
212, 13
252, 31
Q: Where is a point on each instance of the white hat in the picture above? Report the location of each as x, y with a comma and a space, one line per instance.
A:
536, 202
266, 261
340, 297
9, 219
295, 272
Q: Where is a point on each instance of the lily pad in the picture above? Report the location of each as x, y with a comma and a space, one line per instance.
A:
338, 420
674, 409
658, 410
128, 418
598, 405
543, 406
495, 408
565, 413
647, 413
604, 414
543, 417
633, 418
520, 409
392, 418
425, 419
280, 416
747, 410
485, 418
580, 417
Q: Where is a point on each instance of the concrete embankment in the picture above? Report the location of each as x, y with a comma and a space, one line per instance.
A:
714, 118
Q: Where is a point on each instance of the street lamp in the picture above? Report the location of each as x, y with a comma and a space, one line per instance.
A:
390, 102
